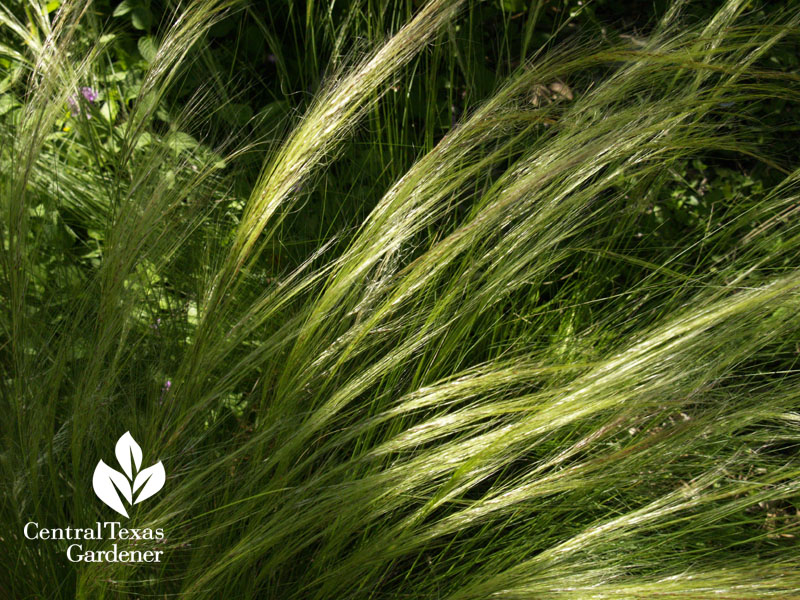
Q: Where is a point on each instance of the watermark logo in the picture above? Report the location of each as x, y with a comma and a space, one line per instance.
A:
112, 487
109, 484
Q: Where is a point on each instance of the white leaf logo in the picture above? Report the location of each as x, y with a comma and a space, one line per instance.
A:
126, 449
108, 483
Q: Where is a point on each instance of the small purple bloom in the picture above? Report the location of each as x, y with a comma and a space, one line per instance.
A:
164, 390
88, 94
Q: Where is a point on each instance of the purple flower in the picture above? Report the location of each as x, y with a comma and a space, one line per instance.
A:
164, 390
88, 94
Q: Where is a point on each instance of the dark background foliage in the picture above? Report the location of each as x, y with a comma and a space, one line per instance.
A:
246, 86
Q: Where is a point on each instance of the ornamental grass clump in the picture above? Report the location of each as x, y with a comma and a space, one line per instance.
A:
504, 381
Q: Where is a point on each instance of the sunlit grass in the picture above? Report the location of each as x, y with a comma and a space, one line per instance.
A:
499, 384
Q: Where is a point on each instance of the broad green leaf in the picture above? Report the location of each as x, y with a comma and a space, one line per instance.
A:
147, 47
123, 8
141, 18
179, 141
7, 102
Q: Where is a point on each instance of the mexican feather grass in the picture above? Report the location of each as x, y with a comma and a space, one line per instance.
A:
493, 386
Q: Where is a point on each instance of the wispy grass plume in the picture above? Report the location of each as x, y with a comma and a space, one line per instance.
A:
502, 383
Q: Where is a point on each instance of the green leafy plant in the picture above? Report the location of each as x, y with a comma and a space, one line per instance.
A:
537, 363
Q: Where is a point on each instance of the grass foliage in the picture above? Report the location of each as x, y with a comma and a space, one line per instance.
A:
488, 375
